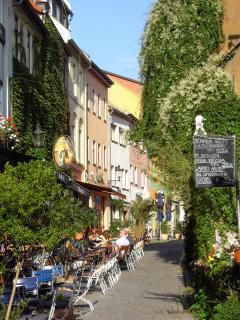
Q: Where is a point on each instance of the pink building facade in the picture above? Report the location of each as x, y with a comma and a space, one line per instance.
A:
139, 182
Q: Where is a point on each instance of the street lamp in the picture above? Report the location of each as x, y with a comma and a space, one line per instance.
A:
38, 136
120, 171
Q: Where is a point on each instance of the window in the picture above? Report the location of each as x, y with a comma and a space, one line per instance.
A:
88, 149
105, 109
75, 77
131, 174
16, 36
94, 152
113, 177
142, 179
58, 12
127, 179
122, 137
99, 155
113, 132
105, 158
1, 11
99, 106
124, 179
88, 102
136, 176
1, 64
93, 102
29, 51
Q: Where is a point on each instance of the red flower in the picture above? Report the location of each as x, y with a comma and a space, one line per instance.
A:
9, 119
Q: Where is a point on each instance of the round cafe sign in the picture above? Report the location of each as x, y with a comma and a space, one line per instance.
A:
63, 152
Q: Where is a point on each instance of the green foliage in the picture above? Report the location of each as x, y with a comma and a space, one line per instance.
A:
228, 310
116, 225
182, 80
164, 227
41, 96
200, 307
140, 211
179, 35
35, 209
117, 204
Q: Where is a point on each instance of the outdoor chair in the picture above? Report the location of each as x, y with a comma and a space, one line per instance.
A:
31, 286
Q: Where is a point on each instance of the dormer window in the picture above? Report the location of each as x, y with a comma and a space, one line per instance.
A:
60, 12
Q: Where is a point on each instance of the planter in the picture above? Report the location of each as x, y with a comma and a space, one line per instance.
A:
237, 255
164, 236
64, 312
178, 236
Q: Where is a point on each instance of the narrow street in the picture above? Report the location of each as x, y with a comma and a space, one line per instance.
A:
153, 291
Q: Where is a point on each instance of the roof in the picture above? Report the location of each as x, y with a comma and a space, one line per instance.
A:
36, 6
132, 84
84, 56
124, 114
100, 74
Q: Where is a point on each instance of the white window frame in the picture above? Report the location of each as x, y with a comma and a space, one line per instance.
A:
121, 135
113, 132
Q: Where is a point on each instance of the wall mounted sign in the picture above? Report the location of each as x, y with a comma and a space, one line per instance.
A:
215, 161
63, 152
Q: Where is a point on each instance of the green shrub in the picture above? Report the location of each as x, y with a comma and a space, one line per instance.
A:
228, 310
200, 307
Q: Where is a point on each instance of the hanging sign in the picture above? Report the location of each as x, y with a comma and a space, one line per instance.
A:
63, 152
215, 161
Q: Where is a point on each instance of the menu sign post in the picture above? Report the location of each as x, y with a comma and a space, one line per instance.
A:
216, 164
215, 161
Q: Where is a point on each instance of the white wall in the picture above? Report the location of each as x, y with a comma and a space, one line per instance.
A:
120, 155
5, 103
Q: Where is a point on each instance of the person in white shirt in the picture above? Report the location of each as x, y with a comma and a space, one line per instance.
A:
122, 241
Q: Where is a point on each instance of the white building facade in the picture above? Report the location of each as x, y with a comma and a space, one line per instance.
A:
5, 56
120, 124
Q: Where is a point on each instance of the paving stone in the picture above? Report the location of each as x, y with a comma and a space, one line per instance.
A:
154, 291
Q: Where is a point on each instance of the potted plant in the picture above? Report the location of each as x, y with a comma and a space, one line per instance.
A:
178, 231
164, 230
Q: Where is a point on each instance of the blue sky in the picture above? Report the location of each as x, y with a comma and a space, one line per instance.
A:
110, 31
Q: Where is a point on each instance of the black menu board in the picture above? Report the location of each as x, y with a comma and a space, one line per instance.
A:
215, 161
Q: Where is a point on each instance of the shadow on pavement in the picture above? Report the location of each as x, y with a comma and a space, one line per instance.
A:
169, 251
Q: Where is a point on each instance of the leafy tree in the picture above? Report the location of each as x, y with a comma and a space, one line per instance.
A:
36, 209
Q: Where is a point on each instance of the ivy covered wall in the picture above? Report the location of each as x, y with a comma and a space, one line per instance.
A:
41, 96
179, 67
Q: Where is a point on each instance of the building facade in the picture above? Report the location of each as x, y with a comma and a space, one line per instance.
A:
120, 123
97, 174
5, 55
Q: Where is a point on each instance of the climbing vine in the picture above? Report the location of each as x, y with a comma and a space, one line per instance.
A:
40, 96
182, 78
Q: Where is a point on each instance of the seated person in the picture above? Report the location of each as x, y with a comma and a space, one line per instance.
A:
81, 243
130, 239
122, 241
105, 238
94, 239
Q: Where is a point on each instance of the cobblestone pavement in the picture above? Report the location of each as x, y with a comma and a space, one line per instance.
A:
152, 292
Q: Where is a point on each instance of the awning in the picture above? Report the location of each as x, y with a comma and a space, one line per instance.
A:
97, 187
73, 185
